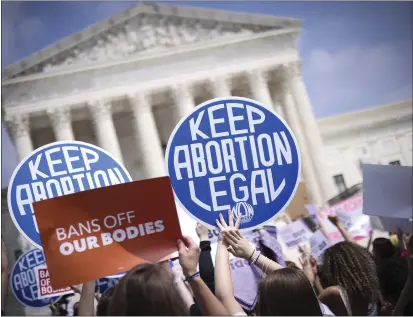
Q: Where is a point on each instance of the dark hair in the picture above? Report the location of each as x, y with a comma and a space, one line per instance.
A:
383, 248
103, 304
146, 290
287, 292
392, 276
291, 265
352, 267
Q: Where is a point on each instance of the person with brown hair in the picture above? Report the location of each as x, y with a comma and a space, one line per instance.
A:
280, 289
103, 303
349, 278
149, 289
146, 290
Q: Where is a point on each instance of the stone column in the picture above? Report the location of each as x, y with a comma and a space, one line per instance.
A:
182, 94
147, 137
258, 83
311, 130
278, 104
61, 123
105, 129
220, 87
307, 168
19, 129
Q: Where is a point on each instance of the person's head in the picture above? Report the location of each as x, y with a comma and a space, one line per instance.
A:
103, 304
392, 277
351, 267
146, 290
280, 291
383, 249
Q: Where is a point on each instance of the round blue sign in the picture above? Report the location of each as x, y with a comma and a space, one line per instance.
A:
23, 279
233, 153
58, 169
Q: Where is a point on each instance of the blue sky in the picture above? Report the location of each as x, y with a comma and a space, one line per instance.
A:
355, 54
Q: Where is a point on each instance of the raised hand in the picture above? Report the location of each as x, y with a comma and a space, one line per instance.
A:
202, 232
236, 244
334, 220
309, 264
188, 255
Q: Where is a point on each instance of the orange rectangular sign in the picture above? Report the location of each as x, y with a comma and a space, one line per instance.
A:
104, 231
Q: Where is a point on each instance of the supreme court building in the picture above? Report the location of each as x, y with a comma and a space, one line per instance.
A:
123, 84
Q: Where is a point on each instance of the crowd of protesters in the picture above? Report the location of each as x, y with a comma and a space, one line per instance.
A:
347, 280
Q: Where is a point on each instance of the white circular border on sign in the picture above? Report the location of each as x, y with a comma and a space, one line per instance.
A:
80, 143
206, 103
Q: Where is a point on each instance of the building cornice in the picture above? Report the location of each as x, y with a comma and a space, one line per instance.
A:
366, 119
80, 98
292, 33
148, 8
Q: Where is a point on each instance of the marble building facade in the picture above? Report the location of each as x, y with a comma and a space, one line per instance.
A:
124, 83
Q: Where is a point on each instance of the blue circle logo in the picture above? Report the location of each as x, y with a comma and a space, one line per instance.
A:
58, 169
233, 154
23, 279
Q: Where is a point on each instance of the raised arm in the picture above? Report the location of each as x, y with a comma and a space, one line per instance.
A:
224, 289
87, 300
206, 266
346, 235
309, 264
241, 248
188, 258
182, 288
322, 227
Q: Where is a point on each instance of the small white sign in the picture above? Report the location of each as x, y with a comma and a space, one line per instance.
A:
44, 285
318, 244
294, 234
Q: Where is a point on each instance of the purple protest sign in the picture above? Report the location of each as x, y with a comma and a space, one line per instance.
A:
245, 280
268, 240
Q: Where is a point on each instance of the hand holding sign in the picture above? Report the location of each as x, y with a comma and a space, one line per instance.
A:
110, 226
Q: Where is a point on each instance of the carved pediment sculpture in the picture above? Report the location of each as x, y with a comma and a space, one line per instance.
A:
145, 28
142, 34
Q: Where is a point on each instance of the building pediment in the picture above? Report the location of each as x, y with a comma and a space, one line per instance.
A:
144, 29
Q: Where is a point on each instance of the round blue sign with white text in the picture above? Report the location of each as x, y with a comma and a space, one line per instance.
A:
58, 169
233, 153
23, 279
